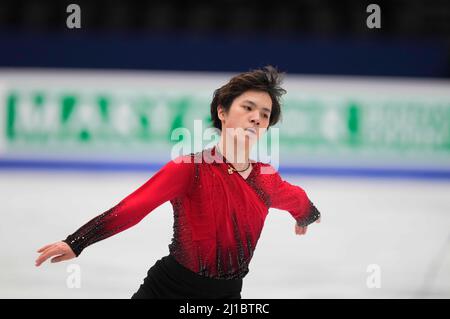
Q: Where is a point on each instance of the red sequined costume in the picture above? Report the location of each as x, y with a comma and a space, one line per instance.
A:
218, 217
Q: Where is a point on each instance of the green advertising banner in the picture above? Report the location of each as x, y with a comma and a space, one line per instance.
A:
117, 116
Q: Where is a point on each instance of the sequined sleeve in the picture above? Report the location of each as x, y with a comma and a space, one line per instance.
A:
172, 180
293, 198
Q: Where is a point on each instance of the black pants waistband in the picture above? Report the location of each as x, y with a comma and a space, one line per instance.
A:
198, 281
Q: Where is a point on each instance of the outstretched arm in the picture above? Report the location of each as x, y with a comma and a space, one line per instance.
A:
172, 180
293, 199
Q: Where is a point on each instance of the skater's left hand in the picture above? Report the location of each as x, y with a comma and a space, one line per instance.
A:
302, 230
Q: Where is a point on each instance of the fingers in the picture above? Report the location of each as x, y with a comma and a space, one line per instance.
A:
44, 248
300, 230
59, 258
46, 255
41, 259
48, 249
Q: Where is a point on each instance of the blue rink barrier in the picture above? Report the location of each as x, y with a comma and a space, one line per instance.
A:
366, 172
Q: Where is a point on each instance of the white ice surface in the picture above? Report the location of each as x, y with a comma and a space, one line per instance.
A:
403, 226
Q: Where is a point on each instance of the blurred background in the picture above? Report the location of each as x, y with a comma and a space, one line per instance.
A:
91, 94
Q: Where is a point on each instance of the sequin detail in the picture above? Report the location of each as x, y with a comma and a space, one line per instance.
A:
95, 230
312, 215
217, 222
257, 187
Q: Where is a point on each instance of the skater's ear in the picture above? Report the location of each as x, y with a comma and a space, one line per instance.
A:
221, 112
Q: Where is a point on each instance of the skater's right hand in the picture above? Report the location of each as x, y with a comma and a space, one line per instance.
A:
302, 230
60, 249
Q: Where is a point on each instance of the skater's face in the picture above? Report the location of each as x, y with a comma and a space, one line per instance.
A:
250, 110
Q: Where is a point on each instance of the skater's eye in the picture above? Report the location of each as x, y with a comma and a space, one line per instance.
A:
249, 108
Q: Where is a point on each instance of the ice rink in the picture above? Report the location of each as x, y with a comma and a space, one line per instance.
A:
402, 226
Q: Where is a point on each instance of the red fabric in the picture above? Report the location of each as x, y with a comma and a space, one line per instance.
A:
218, 217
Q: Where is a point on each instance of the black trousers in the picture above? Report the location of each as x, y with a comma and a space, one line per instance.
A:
167, 279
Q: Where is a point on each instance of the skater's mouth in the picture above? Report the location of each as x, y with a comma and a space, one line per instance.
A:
251, 129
